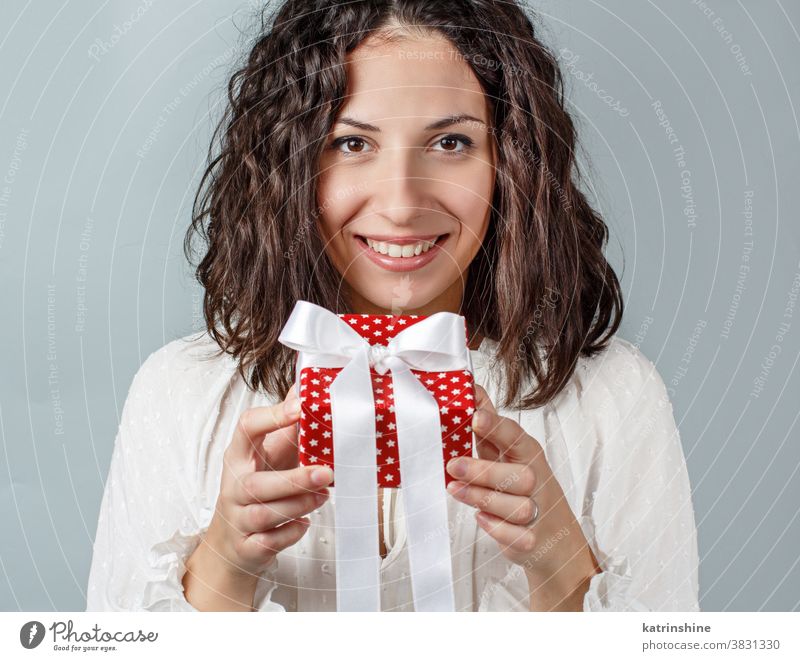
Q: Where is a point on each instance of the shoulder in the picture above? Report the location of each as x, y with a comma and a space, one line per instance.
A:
187, 359
619, 382
185, 375
620, 360
179, 398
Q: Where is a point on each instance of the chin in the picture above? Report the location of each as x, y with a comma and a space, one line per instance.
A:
401, 296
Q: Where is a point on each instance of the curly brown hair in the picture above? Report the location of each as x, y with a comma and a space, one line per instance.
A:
540, 285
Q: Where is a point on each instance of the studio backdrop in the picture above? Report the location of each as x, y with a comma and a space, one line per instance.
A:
687, 114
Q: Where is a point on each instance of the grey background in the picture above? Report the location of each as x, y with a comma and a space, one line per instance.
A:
88, 199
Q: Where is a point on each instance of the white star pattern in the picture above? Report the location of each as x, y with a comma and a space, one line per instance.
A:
449, 389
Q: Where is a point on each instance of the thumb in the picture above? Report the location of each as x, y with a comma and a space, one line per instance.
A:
486, 449
280, 449
255, 423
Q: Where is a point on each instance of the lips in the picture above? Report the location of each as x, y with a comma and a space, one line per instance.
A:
400, 240
399, 263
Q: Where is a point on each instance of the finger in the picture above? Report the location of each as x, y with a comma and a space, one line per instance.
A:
255, 422
280, 449
260, 517
482, 399
518, 479
486, 449
506, 435
260, 546
512, 508
518, 538
266, 486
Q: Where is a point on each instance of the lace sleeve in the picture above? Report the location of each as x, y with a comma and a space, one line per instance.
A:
642, 525
150, 521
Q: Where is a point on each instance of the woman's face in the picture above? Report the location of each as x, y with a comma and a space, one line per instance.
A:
398, 174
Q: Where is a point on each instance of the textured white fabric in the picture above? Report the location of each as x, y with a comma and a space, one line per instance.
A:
609, 437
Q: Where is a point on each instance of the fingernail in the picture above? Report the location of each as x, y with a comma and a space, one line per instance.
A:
457, 489
321, 497
457, 467
480, 419
321, 476
292, 407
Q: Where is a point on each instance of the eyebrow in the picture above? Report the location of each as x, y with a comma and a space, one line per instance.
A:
439, 124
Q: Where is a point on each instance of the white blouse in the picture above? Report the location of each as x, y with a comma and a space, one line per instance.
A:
609, 436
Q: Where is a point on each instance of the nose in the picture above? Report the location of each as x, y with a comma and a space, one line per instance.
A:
400, 188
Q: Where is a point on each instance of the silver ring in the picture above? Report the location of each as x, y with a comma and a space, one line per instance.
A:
535, 513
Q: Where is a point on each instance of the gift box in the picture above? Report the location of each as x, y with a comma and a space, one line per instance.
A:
393, 394
452, 390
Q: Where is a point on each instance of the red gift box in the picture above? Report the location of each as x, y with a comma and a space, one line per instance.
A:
453, 391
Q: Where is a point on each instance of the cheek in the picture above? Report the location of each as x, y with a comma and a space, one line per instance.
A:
470, 201
337, 202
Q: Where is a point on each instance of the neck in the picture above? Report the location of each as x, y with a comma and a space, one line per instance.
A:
448, 301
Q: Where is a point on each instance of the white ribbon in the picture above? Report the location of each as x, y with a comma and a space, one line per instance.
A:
435, 344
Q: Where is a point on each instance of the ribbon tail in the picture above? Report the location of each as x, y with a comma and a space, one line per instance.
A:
356, 493
422, 482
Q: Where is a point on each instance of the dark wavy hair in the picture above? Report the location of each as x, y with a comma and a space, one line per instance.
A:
540, 286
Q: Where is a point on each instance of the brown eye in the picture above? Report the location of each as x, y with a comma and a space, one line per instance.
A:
450, 144
354, 144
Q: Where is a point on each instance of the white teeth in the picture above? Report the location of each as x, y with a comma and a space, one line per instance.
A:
395, 250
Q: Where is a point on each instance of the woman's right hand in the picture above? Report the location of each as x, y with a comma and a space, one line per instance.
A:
264, 490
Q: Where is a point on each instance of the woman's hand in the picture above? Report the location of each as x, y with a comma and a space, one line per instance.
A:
263, 490
506, 483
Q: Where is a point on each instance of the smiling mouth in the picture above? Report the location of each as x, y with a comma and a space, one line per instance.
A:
401, 247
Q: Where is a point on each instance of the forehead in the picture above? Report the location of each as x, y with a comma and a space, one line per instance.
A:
414, 76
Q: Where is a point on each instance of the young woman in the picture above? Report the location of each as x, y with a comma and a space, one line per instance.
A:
383, 157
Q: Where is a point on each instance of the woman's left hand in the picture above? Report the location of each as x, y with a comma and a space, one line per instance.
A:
506, 483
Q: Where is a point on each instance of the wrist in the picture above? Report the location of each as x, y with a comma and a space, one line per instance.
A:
224, 569
562, 587
212, 583
214, 554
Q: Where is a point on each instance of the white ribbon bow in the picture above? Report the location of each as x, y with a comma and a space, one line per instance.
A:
435, 344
